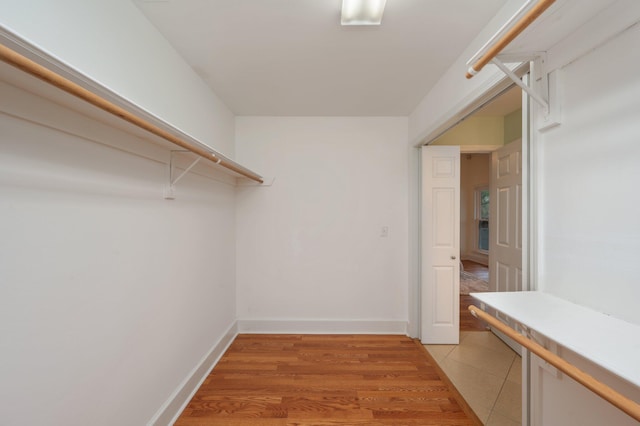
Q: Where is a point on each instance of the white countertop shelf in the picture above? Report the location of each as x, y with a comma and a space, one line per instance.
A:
609, 342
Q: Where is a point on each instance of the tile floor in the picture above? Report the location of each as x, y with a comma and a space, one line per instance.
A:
487, 373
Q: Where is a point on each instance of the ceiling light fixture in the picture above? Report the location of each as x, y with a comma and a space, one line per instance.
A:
362, 12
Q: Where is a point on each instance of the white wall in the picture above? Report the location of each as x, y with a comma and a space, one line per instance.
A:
309, 246
590, 235
111, 296
112, 43
122, 312
590, 175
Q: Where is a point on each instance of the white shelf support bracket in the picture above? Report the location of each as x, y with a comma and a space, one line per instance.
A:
534, 95
185, 171
549, 84
546, 92
169, 193
542, 341
552, 347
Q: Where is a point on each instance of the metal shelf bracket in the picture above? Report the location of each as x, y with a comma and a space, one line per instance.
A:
169, 192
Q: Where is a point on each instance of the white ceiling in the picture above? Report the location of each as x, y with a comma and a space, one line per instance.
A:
293, 58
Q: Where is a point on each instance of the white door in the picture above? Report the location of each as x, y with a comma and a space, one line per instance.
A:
440, 304
505, 219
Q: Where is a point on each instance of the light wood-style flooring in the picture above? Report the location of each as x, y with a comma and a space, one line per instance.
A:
327, 380
480, 271
467, 321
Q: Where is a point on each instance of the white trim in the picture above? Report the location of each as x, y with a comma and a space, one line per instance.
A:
490, 89
478, 149
272, 326
476, 257
415, 256
180, 397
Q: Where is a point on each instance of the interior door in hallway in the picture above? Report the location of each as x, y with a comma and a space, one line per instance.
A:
440, 244
505, 217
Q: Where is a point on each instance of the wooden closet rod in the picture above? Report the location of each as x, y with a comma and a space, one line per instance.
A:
27, 65
508, 37
617, 399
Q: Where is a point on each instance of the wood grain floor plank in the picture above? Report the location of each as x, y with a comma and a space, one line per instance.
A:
277, 380
467, 321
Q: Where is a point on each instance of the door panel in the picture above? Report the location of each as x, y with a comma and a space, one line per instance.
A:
502, 277
505, 253
502, 224
505, 242
440, 244
443, 227
444, 286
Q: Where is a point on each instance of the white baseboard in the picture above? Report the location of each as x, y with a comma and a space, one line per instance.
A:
269, 326
482, 259
175, 404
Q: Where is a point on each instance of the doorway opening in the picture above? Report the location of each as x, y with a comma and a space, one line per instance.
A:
485, 132
490, 232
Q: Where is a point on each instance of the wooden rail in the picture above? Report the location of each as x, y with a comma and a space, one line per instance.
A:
610, 395
508, 37
27, 65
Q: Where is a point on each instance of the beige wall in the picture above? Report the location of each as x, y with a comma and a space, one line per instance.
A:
475, 131
513, 126
475, 171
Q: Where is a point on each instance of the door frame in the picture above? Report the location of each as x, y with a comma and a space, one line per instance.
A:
475, 100
464, 109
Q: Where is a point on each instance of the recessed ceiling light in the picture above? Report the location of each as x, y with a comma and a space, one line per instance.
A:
362, 12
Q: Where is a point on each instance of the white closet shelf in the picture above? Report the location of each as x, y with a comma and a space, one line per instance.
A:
24, 56
611, 343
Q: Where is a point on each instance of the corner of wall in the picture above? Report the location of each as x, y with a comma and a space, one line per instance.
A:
178, 400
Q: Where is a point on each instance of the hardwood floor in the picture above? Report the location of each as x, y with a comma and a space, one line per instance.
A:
480, 271
467, 321
327, 380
